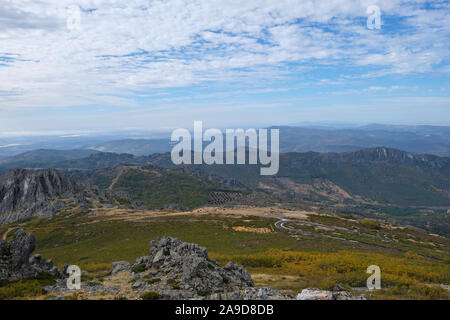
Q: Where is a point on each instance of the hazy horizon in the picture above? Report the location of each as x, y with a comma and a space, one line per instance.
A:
165, 133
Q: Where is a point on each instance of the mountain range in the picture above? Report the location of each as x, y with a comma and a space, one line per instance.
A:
319, 138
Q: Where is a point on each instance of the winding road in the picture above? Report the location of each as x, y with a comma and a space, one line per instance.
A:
5, 235
281, 225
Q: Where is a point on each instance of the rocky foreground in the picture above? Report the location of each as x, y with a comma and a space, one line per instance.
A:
17, 263
173, 270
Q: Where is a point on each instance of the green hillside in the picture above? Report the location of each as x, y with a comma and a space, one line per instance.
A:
157, 189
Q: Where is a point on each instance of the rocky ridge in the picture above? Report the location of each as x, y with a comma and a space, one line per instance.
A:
44, 193
26, 193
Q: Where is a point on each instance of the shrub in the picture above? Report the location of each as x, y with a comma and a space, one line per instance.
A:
151, 295
173, 283
154, 280
370, 223
21, 289
203, 293
73, 296
138, 268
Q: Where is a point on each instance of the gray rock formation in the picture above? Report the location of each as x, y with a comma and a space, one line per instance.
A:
188, 266
26, 193
120, 266
16, 263
316, 294
177, 270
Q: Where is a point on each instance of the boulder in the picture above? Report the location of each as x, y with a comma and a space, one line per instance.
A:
120, 266
316, 294
16, 263
190, 267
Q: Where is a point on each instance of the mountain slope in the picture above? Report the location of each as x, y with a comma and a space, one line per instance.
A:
43, 158
375, 175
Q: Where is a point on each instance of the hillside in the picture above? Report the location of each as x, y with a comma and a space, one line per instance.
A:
43, 158
286, 249
382, 182
376, 175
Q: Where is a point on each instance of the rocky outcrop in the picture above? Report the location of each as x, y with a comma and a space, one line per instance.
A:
16, 263
120, 266
188, 267
337, 294
176, 270
26, 193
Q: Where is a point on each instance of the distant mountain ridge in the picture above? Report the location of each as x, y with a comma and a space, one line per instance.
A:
138, 147
370, 178
383, 175
43, 158
374, 175
417, 139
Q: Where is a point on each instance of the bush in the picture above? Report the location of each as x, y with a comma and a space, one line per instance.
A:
154, 280
151, 295
203, 293
370, 223
174, 284
21, 289
138, 268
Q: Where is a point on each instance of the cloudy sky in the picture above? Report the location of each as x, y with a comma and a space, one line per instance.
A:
98, 65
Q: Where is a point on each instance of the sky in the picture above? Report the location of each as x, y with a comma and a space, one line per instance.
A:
97, 65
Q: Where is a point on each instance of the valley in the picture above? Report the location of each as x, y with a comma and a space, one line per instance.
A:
319, 223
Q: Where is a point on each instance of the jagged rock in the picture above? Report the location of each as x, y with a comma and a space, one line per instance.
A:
120, 266
315, 294
262, 294
21, 248
138, 284
189, 266
16, 263
26, 193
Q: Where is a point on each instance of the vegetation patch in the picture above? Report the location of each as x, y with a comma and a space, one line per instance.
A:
151, 295
138, 268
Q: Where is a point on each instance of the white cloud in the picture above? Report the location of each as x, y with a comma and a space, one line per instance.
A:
141, 44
